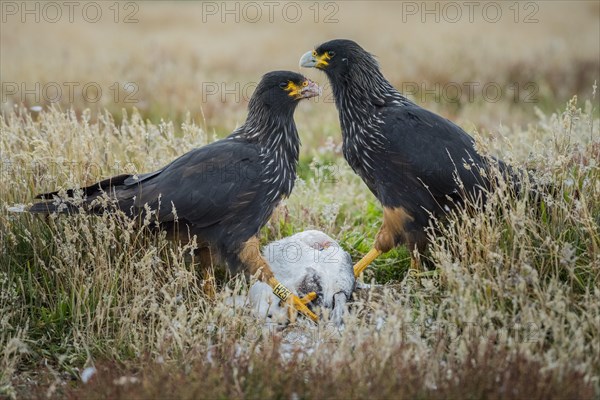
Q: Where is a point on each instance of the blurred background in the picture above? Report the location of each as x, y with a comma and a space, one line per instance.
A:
482, 64
95, 89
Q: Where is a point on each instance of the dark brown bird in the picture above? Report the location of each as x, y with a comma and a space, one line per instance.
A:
224, 192
418, 164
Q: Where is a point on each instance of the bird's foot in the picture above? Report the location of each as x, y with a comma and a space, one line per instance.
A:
365, 261
293, 306
308, 298
295, 303
209, 284
415, 262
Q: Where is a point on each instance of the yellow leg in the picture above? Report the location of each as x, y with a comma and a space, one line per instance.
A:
365, 261
208, 273
250, 256
308, 298
294, 301
208, 284
292, 311
415, 264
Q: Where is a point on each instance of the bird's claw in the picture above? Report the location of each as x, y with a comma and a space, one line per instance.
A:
299, 304
415, 265
294, 302
308, 298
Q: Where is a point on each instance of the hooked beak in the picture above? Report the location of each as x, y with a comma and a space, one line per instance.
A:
310, 90
311, 60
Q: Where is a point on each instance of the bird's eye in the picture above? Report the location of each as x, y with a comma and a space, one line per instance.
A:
305, 83
330, 54
314, 53
283, 85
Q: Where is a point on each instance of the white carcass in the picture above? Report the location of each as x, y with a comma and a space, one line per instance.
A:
308, 261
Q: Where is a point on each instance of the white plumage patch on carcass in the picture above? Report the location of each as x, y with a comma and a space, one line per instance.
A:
308, 261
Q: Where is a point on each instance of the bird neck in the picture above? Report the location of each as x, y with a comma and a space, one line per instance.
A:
274, 132
365, 87
279, 142
360, 95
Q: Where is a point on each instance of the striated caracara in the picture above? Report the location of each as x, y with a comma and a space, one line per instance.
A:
224, 192
418, 164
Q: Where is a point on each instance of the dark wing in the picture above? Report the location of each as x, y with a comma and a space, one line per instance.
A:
427, 158
202, 187
133, 179
205, 186
89, 190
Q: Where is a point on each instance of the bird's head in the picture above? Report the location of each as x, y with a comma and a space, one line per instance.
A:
354, 74
283, 89
338, 57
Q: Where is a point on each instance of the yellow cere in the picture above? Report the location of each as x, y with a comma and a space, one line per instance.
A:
293, 89
321, 59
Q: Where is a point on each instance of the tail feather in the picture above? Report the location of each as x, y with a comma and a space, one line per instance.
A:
88, 190
56, 202
49, 207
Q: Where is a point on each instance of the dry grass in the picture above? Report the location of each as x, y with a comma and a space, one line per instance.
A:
482, 371
520, 279
511, 310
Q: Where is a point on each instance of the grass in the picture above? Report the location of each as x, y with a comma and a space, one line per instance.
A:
509, 309
515, 285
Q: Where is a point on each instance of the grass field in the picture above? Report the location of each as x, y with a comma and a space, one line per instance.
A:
509, 309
